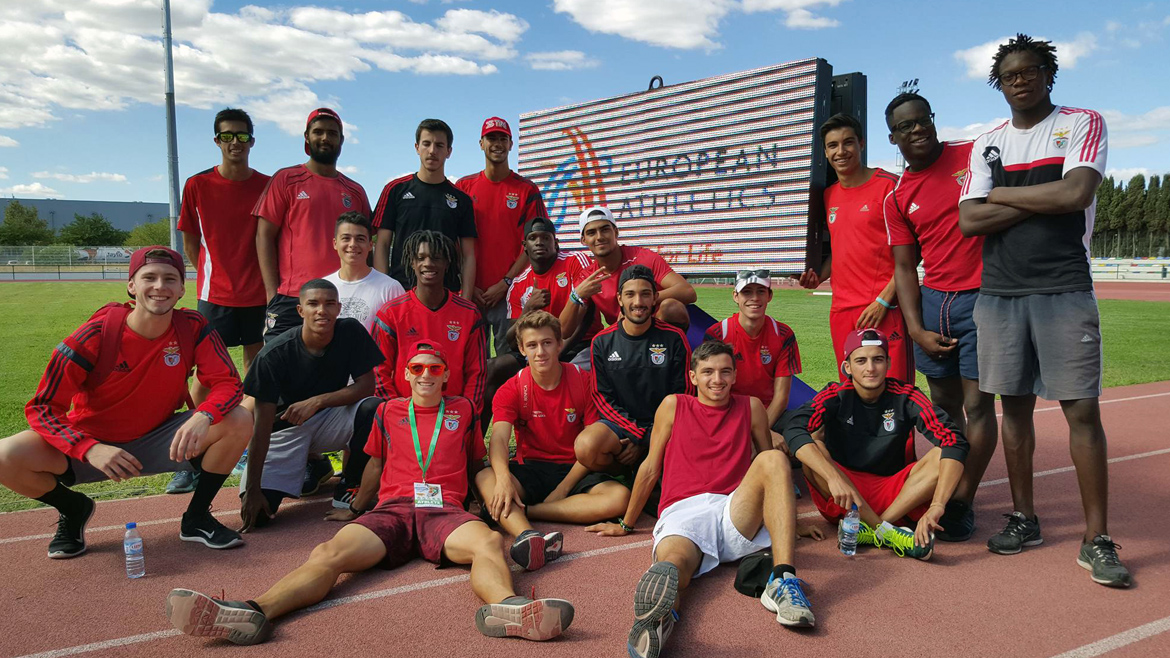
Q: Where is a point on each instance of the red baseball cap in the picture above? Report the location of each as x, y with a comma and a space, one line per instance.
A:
322, 113
857, 339
425, 347
157, 254
495, 125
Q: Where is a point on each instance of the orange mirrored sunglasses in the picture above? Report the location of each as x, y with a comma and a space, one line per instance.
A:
435, 369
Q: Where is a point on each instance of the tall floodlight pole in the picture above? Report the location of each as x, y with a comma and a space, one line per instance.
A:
172, 140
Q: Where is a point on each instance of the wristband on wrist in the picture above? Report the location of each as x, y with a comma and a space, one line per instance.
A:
575, 298
627, 528
884, 303
355, 511
210, 418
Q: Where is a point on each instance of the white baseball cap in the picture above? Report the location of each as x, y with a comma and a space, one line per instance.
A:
594, 213
745, 278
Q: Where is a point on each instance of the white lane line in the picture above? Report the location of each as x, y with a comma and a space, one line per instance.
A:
330, 603
1069, 469
1122, 639
106, 528
1130, 399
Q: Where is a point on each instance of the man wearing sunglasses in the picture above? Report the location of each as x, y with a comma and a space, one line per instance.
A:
300, 207
219, 238
766, 355
922, 216
861, 266
305, 401
548, 404
1030, 192
423, 451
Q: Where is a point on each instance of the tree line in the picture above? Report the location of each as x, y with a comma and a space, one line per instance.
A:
1133, 221
24, 227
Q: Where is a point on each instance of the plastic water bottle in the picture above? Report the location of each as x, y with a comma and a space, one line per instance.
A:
850, 526
132, 546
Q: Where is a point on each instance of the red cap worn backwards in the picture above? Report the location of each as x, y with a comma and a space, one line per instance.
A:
425, 347
495, 125
322, 113
157, 254
857, 339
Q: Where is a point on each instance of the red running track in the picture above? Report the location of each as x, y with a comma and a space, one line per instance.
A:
965, 602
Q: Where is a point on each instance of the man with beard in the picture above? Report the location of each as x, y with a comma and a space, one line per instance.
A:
105, 408
504, 200
1031, 192
856, 441
427, 201
309, 384
598, 288
637, 362
922, 215
300, 207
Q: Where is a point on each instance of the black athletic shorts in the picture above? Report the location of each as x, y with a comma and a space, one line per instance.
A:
539, 479
280, 316
236, 325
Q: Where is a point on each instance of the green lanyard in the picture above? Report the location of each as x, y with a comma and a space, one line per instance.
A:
434, 437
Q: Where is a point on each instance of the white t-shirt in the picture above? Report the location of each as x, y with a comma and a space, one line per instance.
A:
361, 300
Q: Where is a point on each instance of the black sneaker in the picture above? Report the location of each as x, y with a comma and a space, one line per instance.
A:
202, 616
958, 522
344, 495
69, 540
1019, 532
1100, 557
207, 530
531, 550
317, 473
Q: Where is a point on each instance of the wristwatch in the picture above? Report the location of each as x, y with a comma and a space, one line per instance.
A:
354, 511
210, 418
508, 281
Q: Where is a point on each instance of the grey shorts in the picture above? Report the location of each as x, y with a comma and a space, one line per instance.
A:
1049, 345
153, 451
496, 317
289, 449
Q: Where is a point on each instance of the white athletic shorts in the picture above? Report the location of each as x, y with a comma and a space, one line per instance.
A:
705, 519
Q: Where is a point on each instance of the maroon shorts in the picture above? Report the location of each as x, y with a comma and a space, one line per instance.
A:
877, 490
408, 531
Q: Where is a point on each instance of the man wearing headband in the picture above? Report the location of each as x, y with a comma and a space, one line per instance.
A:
598, 287
300, 207
305, 401
105, 408
856, 441
423, 451
766, 355
504, 202
637, 362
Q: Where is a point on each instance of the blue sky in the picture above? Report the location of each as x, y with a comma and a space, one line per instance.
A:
81, 112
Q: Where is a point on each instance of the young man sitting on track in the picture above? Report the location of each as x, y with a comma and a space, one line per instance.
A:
422, 449
766, 355
548, 403
105, 408
856, 441
305, 401
718, 504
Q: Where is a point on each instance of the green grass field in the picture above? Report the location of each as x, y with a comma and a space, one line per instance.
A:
34, 317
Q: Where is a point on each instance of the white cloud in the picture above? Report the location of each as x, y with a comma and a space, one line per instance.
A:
1123, 174
799, 12
670, 23
560, 60
348, 170
803, 19
34, 190
81, 178
107, 55
1137, 130
3, 173
977, 59
8, 142
969, 131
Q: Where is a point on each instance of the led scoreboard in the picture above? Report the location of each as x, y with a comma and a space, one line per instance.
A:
716, 175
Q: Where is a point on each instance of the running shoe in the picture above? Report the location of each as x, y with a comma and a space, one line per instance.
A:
205, 529
518, 616
202, 616
1100, 557
901, 541
241, 465
69, 540
344, 495
785, 597
654, 615
958, 522
182, 482
317, 473
1019, 532
531, 550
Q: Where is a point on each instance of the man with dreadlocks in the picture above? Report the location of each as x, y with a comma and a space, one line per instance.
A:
1030, 192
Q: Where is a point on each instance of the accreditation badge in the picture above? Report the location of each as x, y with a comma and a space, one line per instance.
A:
428, 495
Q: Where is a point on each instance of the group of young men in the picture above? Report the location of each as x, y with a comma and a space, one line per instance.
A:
593, 376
